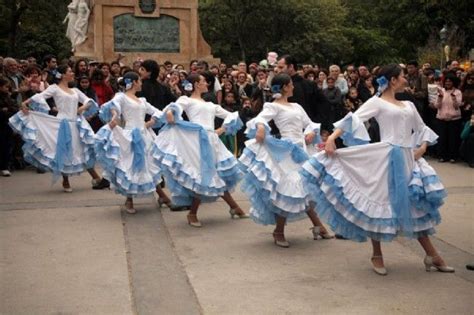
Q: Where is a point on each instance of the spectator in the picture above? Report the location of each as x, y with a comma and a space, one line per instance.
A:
11, 72
154, 92
417, 88
340, 82
108, 77
136, 65
33, 82
322, 76
310, 75
7, 109
305, 92
449, 119
175, 83
115, 69
81, 69
352, 102
467, 145
367, 89
245, 88
334, 97
103, 91
51, 65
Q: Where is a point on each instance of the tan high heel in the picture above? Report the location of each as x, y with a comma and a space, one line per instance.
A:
428, 261
284, 243
378, 270
318, 235
239, 213
193, 220
126, 208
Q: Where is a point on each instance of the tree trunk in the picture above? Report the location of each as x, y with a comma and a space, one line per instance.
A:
17, 10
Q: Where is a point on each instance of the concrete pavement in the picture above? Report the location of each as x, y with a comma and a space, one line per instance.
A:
77, 254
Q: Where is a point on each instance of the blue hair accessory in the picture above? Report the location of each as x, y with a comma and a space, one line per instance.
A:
276, 91
128, 83
187, 86
57, 74
383, 84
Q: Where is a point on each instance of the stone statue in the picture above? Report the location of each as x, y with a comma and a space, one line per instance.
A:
78, 21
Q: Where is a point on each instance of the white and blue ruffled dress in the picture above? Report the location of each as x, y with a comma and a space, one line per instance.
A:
272, 180
194, 161
63, 144
377, 190
125, 153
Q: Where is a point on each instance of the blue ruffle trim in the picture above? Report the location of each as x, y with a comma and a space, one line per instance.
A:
184, 188
264, 210
105, 113
34, 155
429, 201
341, 225
92, 110
37, 107
232, 127
107, 155
348, 137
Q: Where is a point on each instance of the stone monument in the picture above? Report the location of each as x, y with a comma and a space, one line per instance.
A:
144, 29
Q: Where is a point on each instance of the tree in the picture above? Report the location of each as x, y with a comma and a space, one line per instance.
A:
34, 28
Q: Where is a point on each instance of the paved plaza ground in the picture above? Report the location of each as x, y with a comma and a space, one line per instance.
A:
78, 254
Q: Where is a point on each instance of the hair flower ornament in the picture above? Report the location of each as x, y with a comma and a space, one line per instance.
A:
57, 74
188, 87
128, 83
276, 91
383, 84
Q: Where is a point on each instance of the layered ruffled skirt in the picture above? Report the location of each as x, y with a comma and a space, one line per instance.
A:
375, 191
126, 155
60, 146
272, 180
195, 163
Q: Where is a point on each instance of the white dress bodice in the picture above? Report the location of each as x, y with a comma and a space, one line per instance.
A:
133, 112
66, 103
201, 112
291, 120
397, 124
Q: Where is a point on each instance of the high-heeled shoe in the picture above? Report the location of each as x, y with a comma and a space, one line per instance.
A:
318, 235
193, 220
282, 243
170, 205
128, 210
378, 270
67, 188
237, 212
428, 261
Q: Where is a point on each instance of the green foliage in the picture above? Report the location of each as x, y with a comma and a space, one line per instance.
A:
333, 31
39, 29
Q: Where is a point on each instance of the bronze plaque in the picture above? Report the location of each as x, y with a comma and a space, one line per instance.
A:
142, 34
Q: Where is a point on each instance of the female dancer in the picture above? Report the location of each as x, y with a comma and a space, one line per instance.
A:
272, 181
383, 189
63, 144
196, 164
126, 153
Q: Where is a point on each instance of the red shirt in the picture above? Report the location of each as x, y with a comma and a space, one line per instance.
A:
103, 91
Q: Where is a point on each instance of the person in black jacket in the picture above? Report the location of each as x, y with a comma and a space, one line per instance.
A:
7, 109
159, 96
306, 93
153, 91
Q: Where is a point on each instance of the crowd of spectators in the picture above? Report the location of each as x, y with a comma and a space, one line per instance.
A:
444, 98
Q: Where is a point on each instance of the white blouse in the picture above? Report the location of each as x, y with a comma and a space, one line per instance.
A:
203, 113
133, 112
401, 126
66, 103
291, 120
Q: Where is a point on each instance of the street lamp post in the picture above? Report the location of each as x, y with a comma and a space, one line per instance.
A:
443, 34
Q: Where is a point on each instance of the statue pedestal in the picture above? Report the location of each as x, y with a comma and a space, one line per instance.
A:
170, 32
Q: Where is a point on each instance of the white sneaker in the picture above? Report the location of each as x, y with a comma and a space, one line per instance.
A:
6, 173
